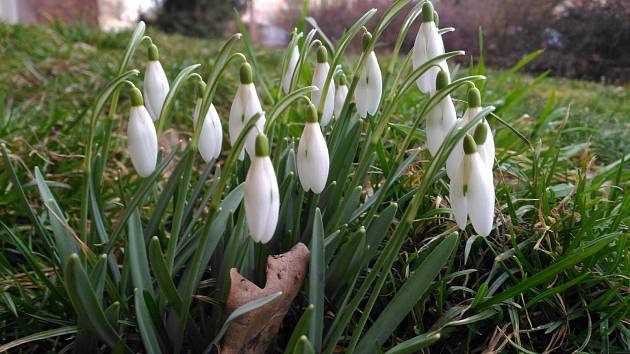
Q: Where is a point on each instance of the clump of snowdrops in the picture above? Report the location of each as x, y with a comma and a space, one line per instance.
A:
278, 179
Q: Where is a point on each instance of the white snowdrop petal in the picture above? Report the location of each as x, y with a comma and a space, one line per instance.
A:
427, 46
340, 98
329, 106
303, 161
459, 203
480, 196
257, 195
360, 94
155, 87
211, 135
293, 60
142, 141
319, 79
319, 158
374, 84
273, 204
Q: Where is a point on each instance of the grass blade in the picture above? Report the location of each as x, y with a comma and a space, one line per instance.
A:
316, 281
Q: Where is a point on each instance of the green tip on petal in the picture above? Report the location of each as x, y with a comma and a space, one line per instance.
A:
469, 145
322, 55
136, 97
481, 133
310, 113
247, 77
367, 37
201, 86
262, 145
427, 12
441, 80
474, 97
154, 54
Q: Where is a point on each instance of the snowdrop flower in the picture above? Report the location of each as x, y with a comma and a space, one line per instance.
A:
141, 136
262, 201
211, 136
155, 84
340, 95
370, 85
319, 79
245, 105
293, 60
457, 154
485, 144
427, 46
312, 157
441, 118
472, 192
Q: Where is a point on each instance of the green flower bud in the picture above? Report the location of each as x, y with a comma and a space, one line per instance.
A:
481, 133
441, 80
427, 12
367, 37
469, 145
474, 98
136, 97
322, 55
262, 145
247, 77
154, 54
310, 113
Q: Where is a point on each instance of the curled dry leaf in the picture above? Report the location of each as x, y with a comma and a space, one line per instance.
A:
252, 332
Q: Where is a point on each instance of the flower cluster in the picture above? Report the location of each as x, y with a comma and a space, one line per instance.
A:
469, 165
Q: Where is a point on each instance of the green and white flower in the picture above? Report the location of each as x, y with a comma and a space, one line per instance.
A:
319, 80
141, 136
245, 105
155, 85
427, 46
370, 86
262, 200
312, 158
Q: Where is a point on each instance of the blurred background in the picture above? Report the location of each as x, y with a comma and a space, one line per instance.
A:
585, 39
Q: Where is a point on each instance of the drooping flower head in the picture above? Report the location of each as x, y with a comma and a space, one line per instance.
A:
319, 80
211, 136
262, 200
441, 118
471, 191
312, 158
427, 46
155, 84
370, 86
141, 136
245, 105
474, 107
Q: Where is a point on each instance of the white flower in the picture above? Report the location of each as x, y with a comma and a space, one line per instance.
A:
370, 85
340, 95
211, 136
141, 137
245, 105
155, 84
427, 46
319, 80
288, 76
312, 158
472, 192
441, 118
457, 154
262, 201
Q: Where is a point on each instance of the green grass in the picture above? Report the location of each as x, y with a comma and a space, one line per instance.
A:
555, 276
